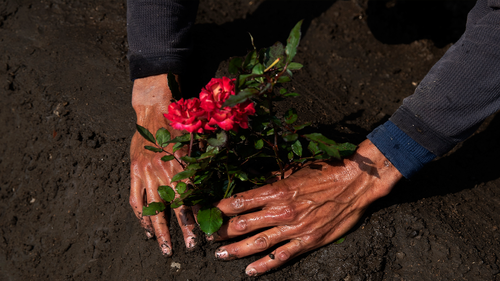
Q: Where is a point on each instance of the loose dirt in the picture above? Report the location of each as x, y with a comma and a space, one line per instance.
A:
67, 123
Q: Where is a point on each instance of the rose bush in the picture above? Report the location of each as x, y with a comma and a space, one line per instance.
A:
221, 157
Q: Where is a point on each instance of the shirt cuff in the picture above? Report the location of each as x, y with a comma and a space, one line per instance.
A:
145, 67
404, 153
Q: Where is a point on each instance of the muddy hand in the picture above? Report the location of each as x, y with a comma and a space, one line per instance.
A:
313, 207
150, 99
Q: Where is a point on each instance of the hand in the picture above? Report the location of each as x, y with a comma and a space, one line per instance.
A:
311, 208
150, 99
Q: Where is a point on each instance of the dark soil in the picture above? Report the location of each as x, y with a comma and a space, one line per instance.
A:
67, 121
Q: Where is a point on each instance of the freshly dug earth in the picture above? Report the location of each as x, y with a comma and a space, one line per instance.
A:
67, 123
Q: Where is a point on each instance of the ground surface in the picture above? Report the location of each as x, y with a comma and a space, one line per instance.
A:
66, 125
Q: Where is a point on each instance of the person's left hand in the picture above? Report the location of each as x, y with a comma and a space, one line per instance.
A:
311, 208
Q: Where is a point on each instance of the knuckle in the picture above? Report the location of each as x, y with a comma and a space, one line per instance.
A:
238, 203
310, 239
281, 192
287, 213
283, 255
261, 243
240, 224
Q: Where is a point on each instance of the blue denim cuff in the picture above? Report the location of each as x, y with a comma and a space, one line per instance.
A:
404, 153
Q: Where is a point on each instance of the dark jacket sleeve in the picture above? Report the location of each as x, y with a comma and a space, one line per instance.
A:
159, 35
458, 93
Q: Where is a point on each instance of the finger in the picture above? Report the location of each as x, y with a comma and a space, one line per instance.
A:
136, 200
255, 198
254, 244
278, 258
254, 221
187, 223
159, 221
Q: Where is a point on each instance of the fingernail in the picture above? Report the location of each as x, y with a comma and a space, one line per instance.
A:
190, 242
149, 235
165, 249
221, 254
251, 271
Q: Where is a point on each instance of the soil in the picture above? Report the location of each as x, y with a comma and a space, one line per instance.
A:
67, 123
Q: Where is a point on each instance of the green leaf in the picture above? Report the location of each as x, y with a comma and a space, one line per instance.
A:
162, 137
198, 179
300, 127
145, 133
276, 51
181, 187
290, 137
258, 69
167, 158
270, 132
291, 95
210, 219
284, 79
259, 144
242, 79
166, 193
317, 137
291, 116
220, 141
183, 138
207, 155
177, 203
340, 240
251, 39
313, 147
186, 194
290, 155
297, 148
330, 150
250, 60
346, 149
294, 66
193, 167
189, 159
174, 86
292, 42
183, 175
282, 91
235, 65
242, 176
153, 208
242, 96
152, 148
177, 146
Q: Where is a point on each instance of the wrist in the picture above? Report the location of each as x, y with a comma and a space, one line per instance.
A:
151, 92
381, 171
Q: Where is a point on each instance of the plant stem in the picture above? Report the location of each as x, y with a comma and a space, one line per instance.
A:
275, 145
175, 157
190, 144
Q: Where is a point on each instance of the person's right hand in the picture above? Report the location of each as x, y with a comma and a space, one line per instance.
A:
151, 97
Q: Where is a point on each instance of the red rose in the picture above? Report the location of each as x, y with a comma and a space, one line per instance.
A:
241, 112
187, 115
213, 96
